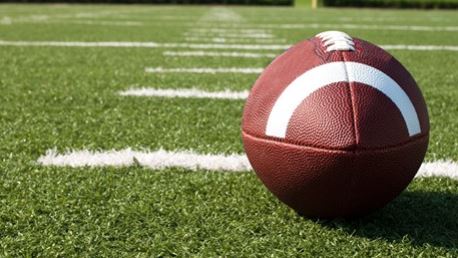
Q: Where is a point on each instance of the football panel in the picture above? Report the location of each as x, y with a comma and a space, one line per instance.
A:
381, 176
324, 119
307, 179
378, 58
378, 120
276, 77
331, 183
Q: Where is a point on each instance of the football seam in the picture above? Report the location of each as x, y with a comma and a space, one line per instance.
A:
355, 147
344, 203
352, 102
340, 150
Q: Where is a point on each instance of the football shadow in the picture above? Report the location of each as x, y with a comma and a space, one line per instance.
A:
421, 217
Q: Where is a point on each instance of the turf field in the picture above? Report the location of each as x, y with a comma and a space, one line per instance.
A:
60, 99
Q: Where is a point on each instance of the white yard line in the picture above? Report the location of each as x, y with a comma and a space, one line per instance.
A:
127, 44
442, 168
47, 20
211, 70
420, 48
234, 40
221, 14
191, 160
229, 30
219, 54
347, 26
6, 20
78, 44
185, 93
230, 35
104, 23
156, 160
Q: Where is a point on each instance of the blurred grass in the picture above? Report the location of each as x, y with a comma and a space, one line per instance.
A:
425, 4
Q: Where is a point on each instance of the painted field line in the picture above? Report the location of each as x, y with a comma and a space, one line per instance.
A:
156, 160
350, 26
233, 40
191, 160
6, 21
246, 70
185, 93
105, 23
219, 54
229, 30
420, 47
441, 168
47, 20
221, 14
78, 44
127, 44
230, 35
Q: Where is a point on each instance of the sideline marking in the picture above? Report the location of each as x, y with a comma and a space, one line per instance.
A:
156, 160
191, 160
128, 44
185, 93
229, 30
211, 70
349, 26
234, 40
219, 54
420, 47
231, 35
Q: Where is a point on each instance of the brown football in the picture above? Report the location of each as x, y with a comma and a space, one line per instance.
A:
335, 127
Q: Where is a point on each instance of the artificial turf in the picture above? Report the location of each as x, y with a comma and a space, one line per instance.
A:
67, 98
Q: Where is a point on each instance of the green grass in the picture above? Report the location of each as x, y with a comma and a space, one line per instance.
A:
452, 4
303, 3
66, 98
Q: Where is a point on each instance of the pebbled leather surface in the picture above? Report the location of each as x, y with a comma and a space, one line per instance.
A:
275, 78
328, 183
375, 56
327, 108
347, 150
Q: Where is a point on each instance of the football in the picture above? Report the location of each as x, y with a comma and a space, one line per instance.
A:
335, 127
